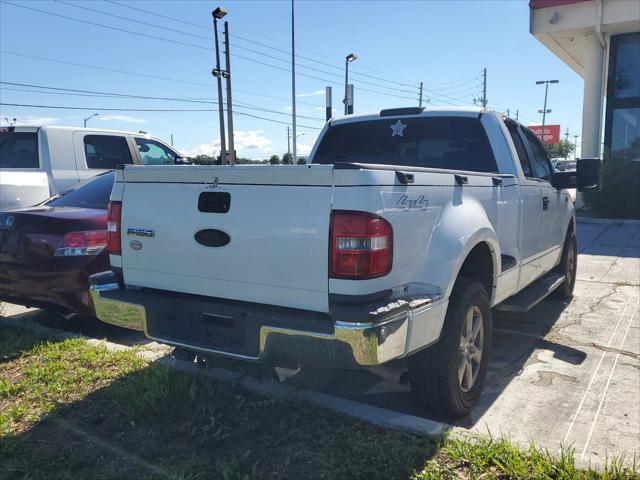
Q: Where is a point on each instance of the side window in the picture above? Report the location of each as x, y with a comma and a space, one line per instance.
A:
106, 151
19, 150
155, 153
521, 150
539, 162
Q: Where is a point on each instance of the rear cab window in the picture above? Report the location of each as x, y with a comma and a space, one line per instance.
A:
106, 151
92, 193
447, 142
18, 149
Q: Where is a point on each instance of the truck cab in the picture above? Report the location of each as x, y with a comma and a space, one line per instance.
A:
38, 162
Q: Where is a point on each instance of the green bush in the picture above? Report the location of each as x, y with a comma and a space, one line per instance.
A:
620, 194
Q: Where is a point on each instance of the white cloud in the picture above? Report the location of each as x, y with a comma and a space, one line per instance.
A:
315, 93
120, 118
252, 140
30, 120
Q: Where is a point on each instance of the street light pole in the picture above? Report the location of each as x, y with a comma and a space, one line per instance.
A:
575, 146
217, 14
89, 118
546, 91
293, 78
348, 59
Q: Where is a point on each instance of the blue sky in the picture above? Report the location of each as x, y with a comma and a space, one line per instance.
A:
445, 44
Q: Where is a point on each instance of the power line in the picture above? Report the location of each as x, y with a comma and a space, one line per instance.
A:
178, 42
139, 22
65, 107
144, 75
94, 93
255, 42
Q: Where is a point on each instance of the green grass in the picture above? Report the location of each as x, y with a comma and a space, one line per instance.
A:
72, 410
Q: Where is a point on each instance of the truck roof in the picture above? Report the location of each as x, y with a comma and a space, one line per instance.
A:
411, 112
59, 128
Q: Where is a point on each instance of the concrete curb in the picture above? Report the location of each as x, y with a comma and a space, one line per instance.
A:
371, 414
607, 221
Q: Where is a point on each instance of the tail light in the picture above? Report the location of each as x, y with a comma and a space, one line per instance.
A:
114, 214
75, 244
361, 245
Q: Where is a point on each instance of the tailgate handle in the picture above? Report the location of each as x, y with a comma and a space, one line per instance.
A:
214, 202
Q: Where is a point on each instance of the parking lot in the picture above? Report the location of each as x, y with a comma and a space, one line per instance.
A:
560, 374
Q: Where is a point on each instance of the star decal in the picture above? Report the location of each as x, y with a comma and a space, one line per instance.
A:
397, 129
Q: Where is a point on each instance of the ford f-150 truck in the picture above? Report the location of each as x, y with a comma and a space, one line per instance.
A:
396, 241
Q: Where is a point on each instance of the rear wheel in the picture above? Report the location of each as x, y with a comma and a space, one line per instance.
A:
568, 266
448, 377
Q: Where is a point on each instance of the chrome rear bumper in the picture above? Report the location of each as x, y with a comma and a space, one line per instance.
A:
347, 345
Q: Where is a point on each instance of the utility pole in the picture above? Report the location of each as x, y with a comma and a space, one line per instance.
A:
544, 110
420, 103
484, 87
507, 112
288, 142
566, 135
217, 14
227, 74
575, 146
517, 111
328, 107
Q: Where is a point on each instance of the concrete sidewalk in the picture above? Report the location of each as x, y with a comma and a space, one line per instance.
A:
560, 374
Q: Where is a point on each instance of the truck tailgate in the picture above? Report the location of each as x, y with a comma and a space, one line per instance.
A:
251, 233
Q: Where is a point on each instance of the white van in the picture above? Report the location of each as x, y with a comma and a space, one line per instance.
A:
38, 162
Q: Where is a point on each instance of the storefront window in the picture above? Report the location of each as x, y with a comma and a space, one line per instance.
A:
622, 122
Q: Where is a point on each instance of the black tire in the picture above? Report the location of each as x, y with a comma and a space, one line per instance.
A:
434, 372
567, 267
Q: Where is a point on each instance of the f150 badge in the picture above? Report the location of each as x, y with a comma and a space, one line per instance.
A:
141, 232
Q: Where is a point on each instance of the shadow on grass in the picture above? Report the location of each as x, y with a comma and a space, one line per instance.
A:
160, 423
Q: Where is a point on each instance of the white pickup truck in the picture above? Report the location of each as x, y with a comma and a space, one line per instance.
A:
38, 162
395, 242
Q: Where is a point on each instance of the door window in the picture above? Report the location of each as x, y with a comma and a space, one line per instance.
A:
155, 153
19, 150
106, 151
539, 160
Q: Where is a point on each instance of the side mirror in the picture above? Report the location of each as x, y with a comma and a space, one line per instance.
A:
563, 180
589, 174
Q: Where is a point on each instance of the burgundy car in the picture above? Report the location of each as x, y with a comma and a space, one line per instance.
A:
48, 251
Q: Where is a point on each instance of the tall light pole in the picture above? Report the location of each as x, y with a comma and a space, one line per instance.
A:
293, 77
544, 109
89, 118
217, 14
348, 59
575, 146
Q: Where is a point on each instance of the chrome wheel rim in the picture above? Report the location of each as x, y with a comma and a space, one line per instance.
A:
471, 348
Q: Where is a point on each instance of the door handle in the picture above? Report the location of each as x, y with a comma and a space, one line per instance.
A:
545, 203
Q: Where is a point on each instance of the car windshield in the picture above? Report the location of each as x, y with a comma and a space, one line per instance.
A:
458, 143
92, 193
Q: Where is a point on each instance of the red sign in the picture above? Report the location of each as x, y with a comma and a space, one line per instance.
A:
551, 133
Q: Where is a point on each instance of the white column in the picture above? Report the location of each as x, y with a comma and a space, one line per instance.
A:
593, 97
